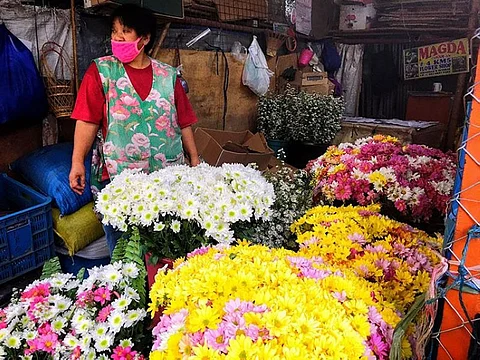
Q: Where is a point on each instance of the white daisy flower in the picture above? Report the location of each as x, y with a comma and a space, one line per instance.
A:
130, 270
85, 342
103, 343
59, 325
100, 330
126, 343
61, 303
176, 226
134, 316
158, 226
13, 341
71, 342
83, 326
116, 321
112, 276
131, 293
91, 355
30, 335
121, 303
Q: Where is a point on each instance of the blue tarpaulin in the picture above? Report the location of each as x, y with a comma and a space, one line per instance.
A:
22, 93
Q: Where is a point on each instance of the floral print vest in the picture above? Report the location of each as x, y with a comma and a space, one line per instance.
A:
141, 134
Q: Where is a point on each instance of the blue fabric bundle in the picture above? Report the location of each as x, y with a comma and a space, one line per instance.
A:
47, 170
22, 94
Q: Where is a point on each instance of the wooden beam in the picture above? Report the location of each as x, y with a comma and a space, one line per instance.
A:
74, 42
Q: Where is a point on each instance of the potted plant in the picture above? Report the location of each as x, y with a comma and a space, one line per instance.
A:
313, 121
179, 209
272, 122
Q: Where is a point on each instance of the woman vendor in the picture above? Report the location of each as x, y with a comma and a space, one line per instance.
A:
131, 108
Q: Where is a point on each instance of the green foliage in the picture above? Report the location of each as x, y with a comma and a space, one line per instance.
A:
402, 327
50, 268
300, 116
134, 254
129, 250
119, 251
167, 244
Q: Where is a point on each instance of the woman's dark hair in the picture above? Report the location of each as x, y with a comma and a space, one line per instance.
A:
139, 19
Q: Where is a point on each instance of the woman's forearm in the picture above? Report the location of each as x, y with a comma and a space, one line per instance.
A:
85, 133
188, 141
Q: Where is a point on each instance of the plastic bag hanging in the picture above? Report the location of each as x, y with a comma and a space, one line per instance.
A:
22, 94
256, 74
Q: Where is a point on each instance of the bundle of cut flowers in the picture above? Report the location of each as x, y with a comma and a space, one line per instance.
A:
414, 180
252, 302
62, 317
184, 207
394, 258
293, 197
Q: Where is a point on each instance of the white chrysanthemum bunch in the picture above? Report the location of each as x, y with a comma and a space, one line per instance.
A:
212, 197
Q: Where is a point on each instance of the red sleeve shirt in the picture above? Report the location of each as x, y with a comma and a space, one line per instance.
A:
90, 105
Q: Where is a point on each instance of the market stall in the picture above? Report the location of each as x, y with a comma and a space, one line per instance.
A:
219, 147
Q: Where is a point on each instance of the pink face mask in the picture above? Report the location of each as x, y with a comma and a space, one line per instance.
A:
126, 51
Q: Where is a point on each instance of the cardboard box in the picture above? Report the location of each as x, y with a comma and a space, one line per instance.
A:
324, 89
431, 136
218, 147
356, 17
304, 79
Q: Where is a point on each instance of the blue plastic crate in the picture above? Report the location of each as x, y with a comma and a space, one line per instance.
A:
26, 234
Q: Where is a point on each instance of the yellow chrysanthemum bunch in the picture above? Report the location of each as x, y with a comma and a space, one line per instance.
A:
252, 302
393, 256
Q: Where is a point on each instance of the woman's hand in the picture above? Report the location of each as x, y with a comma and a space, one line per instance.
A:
77, 178
194, 161
84, 136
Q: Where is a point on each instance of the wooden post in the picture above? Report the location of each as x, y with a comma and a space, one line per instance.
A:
74, 42
158, 45
462, 79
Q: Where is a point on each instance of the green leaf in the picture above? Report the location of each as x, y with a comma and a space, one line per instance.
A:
134, 254
153, 259
50, 268
81, 274
129, 249
119, 251
402, 327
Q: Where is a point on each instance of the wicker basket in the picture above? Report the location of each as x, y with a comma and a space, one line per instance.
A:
60, 92
274, 42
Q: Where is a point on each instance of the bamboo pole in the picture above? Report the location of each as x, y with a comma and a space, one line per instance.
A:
159, 44
461, 83
74, 42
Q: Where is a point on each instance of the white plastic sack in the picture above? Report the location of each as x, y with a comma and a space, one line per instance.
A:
256, 74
